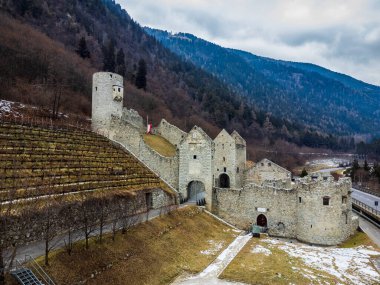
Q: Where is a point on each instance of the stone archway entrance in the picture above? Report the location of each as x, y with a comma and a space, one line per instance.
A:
262, 221
195, 191
224, 181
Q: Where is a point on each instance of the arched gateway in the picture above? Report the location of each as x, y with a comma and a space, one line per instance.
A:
262, 221
224, 181
195, 191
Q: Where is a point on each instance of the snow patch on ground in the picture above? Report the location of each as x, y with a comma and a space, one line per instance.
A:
9, 108
215, 247
261, 249
348, 265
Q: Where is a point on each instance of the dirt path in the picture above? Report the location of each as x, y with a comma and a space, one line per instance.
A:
210, 275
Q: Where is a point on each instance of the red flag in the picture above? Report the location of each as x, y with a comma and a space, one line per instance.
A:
149, 129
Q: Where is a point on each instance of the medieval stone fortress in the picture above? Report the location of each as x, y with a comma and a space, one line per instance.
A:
315, 209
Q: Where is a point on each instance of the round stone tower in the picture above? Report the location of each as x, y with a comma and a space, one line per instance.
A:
107, 99
324, 210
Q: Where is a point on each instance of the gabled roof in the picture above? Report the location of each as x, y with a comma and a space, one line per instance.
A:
223, 134
265, 160
197, 130
238, 138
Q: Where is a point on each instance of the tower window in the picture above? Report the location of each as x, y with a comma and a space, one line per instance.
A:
262, 164
118, 89
300, 199
269, 164
96, 88
110, 75
237, 169
344, 199
326, 201
224, 159
225, 169
194, 156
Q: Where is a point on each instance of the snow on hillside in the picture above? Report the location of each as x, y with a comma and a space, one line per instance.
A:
348, 265
8, 108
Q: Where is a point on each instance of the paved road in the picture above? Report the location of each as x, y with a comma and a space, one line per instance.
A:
370, 229
366, 198
37, 249
210, 275
331, 169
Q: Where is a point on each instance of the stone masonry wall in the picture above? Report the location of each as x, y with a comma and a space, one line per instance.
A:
242, 207
324, 224
28, 226
170, 132
195, 162
107, 100
133, 117
166, 167
225, 158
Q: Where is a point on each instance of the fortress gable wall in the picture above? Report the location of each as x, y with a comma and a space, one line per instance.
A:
170, 132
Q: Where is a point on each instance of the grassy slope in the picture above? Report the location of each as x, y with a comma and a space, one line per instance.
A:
159, 144
154, 252
277, 268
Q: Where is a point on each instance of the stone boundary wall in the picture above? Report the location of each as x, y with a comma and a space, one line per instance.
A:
170, 132
166, 167
30, 224
132, 117
242, 207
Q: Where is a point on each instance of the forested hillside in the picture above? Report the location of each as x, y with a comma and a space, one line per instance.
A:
328, 101
51, 48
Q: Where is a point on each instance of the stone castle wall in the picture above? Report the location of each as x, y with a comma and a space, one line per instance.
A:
170, 132
107, 96
195, 162
166, 167
242, 207
133, 117
324, 224
225, 158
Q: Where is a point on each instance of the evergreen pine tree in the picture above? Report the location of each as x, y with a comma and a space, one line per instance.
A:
141, 75
109, 57
120, 62
304, 173
82, 49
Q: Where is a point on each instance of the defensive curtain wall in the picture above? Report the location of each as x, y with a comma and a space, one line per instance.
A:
324, 210
316, 210
261, 195
125, 126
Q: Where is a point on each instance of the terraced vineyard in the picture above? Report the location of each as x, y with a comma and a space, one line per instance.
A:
37, 161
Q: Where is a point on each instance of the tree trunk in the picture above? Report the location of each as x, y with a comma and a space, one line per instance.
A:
47, 251
2, 267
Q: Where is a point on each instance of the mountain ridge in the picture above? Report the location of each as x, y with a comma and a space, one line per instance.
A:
307, 93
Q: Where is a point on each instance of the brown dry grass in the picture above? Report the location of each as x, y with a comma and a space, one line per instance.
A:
358, 239
276, 268
160, 144
154, 252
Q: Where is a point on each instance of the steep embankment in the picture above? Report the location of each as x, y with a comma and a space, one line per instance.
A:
154, 252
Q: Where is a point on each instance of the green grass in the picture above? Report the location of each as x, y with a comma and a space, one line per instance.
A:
159, 144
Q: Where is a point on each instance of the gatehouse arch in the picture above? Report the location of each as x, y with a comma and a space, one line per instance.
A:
224, 181
195, 191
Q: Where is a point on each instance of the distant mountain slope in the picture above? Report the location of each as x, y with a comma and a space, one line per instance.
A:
306, 93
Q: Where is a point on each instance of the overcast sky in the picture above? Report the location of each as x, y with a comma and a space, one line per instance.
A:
342, 35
